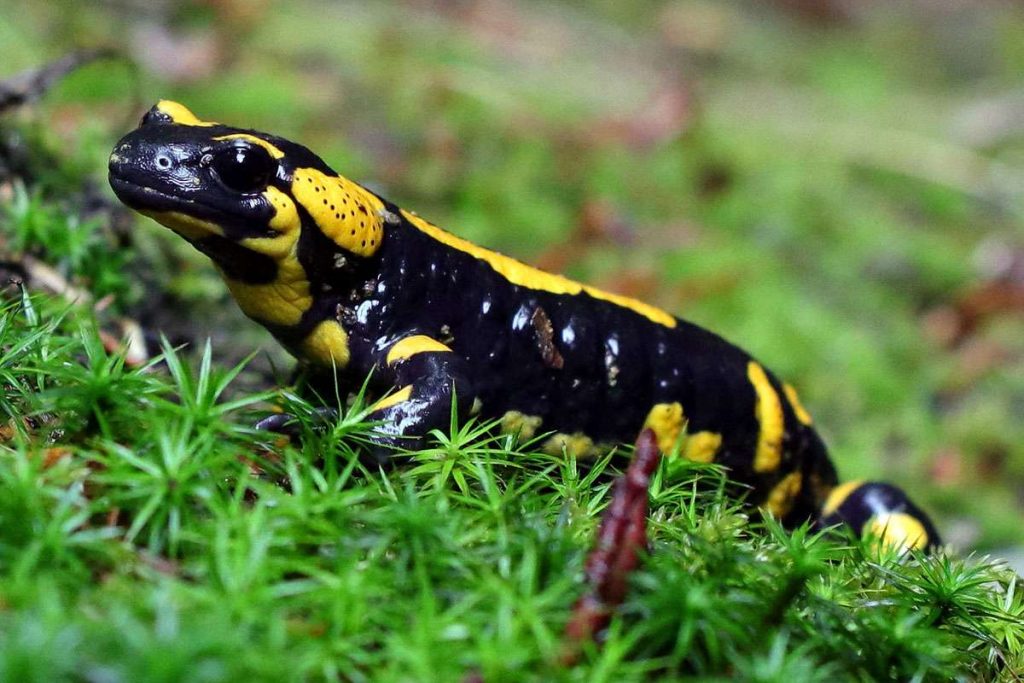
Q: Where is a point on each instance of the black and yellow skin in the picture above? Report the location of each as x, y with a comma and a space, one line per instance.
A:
356, 286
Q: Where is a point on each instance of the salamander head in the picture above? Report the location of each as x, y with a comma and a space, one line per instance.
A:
205, 180
233, 191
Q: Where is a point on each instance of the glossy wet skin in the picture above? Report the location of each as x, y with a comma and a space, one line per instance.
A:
165, 168
351, 284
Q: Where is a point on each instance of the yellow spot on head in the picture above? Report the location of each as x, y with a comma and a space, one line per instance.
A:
180, 114
272, 149
782, 496
838, 495
702, 446
189, 227
515, 422
666, 421
400, 396
519, 273
768, 410
326, 345
348, 214
798, 408
410, 346
898, 530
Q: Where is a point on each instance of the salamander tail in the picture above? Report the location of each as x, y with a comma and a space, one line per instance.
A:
880, 510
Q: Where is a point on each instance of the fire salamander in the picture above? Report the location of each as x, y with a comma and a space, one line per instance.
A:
355, 285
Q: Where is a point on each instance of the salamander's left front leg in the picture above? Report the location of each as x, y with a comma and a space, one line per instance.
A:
427, 377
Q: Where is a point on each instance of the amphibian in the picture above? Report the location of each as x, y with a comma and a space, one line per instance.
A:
354, 285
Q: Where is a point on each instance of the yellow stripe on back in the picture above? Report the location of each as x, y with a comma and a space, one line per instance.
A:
768, 411
348, 214
519, 273
798, 408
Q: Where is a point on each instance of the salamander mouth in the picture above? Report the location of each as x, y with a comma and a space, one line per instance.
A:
152, 202
145, 198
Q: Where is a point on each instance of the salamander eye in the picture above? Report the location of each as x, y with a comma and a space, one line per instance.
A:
244, 168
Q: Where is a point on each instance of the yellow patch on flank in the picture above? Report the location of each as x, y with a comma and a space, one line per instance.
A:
839, 494
286, 216
798, 408
347, 213
180, 114
898, 530
189, 227
768, 411
400, 396
702, 446
410, 346
272, 149
519, 273
666, 421
782, 496
326, 345
578, 445
515, 422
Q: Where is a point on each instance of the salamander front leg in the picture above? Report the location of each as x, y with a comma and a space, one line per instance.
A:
427, 377
288, 425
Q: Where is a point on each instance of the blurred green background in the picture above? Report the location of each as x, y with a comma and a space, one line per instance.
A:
836, 186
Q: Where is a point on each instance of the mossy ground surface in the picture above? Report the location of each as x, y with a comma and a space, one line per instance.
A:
826, 192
